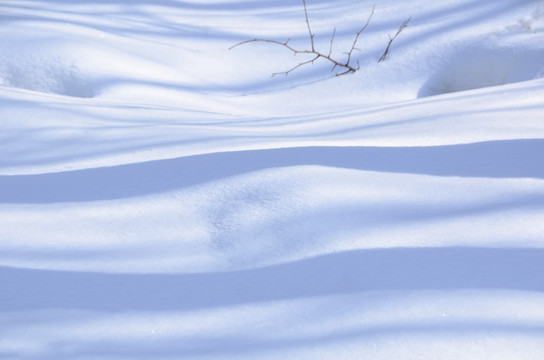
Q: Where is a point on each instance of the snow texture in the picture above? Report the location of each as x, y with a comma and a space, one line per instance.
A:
162, 197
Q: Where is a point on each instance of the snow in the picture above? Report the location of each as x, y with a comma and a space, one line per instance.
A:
162, 197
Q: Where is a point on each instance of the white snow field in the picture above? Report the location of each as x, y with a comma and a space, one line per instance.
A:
162, 197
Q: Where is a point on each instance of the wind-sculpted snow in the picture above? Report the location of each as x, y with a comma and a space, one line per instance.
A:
45, 75
481, 66
161, 197
271, 216
356, 271
495, 159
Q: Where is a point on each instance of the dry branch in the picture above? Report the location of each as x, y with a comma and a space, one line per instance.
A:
386, 52
308, 23
317, 55
358, 34
346, 65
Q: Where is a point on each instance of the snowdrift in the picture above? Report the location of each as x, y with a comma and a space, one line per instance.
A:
162, 197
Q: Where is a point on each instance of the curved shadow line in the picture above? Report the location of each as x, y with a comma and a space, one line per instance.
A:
493, 159
238, 345
398, 269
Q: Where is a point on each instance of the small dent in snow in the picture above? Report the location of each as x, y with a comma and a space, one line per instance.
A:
479, 67
49, 74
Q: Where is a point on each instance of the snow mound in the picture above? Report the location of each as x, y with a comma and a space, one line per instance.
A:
48, 73
479, 67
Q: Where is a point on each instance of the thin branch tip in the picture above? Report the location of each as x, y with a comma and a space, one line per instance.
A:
391, 39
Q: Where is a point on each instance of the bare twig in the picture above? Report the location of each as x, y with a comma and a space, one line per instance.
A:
296, 67
386, 52
265, 40
308, 24
359, 33
332, 39
348, 67
295, 52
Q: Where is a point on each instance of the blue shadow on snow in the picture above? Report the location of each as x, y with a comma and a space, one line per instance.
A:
493, 159
397, 269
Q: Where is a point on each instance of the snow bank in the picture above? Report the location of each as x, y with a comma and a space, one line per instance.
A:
162, 197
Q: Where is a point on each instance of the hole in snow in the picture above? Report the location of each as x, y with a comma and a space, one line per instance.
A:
45, 74
476, 68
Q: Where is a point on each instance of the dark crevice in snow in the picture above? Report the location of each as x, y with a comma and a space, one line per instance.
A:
480, 67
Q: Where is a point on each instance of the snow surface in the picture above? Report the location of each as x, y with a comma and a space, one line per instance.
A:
161, 197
